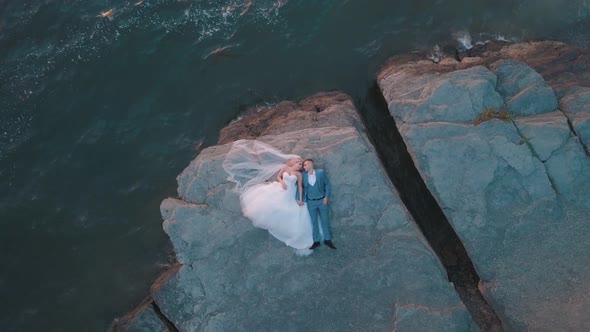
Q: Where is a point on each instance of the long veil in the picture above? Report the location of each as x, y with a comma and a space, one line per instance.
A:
250, 162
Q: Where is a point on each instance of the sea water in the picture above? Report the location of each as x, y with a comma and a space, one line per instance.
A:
103, 103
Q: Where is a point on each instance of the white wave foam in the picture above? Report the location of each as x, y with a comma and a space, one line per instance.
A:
99, 27
464, 39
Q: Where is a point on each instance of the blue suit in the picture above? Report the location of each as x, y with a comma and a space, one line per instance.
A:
313, 196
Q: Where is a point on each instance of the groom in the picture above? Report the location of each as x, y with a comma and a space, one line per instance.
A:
316, 189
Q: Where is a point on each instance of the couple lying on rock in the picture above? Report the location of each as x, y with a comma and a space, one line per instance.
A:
289, 207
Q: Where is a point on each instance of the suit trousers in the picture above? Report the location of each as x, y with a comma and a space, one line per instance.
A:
318, 209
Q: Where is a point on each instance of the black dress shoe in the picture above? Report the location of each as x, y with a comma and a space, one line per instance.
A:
314, 245
329, 244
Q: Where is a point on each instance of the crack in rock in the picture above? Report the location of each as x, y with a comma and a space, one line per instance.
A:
427, 308
424, 209
206, 318
169, 324
534, 153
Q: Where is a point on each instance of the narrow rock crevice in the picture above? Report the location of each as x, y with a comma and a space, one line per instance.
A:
536, 155
573, 130
526, 141
205, 322
585, 147
424, 209
163, 318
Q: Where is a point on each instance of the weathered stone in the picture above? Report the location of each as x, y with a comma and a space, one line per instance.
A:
545, 132
427, 98
525, 92
289, 116
576, 105
569, 170
563, 66
147, 321
582, 127
419, 318
516, 191
235, 277
143, 318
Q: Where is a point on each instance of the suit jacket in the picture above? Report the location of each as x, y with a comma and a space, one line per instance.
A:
321, 181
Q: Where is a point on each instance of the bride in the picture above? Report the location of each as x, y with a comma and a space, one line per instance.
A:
274, 206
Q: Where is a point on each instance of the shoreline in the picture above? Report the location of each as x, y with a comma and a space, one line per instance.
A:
551, 59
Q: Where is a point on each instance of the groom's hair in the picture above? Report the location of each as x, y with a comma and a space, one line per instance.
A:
309, 159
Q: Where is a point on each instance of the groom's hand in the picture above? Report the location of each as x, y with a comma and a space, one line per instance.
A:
325, 201
300, 202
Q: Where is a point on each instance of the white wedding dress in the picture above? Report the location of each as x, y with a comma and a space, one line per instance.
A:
273, 208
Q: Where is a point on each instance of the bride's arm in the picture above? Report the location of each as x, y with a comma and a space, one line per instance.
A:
280, 177
300, 188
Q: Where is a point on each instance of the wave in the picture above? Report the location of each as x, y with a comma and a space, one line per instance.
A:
47, 41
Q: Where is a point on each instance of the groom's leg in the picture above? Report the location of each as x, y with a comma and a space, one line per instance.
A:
313, 214
323, 209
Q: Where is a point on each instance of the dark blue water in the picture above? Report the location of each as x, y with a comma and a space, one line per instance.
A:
99, 114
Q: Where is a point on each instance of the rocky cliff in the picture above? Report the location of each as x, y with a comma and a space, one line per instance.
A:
500, 140
495, 177
234, 277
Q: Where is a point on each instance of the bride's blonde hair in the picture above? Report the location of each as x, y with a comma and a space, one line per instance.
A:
292, 161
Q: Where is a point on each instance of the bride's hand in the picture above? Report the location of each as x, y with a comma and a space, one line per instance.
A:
300, 202
283, 184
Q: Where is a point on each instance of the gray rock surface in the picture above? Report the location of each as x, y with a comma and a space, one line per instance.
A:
576, 105
515, 191
235, 277
426, 98
143, 318
147, 320
525, 92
